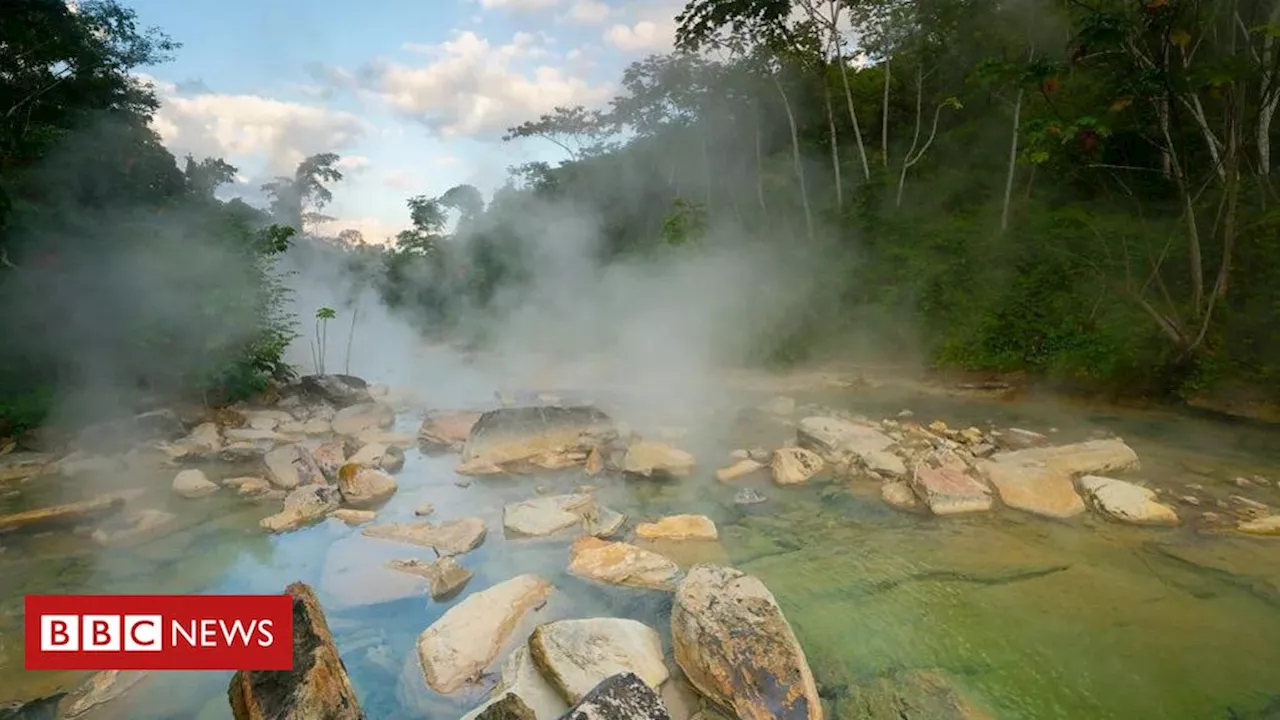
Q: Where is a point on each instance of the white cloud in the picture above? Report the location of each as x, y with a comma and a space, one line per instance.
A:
518, 5
645, 35
588, 12
374, 231
469, 87
234, 127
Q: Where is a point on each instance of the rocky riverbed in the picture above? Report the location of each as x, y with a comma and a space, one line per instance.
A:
808, 554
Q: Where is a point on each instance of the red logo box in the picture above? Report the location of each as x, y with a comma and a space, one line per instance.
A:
159, 632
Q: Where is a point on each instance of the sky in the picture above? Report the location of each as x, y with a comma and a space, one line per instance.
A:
414, 95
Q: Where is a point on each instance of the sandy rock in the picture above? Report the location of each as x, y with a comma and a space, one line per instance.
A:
289, 466
445, 576
950, 489
515, 434
458, 647
761, 674
522, 693
618, 563
316, 689
424, 509
193, 484
355, 419
835, 439
205, 440
595, 462
885, 463
363, 487
454, 537
446, 431
340, 391
1269, 525
679, 527
17, 466
621, 697
248, 486
1019, 439
650, 458
316, 427
302, 506
576, 655
135, 526
391, 438
1127, 502
744, 467
100, 689
63, 515
899, 494
793, 465
330, 457
355, 517
602, 522
1039, 480
545, 515
252, 435
370, 455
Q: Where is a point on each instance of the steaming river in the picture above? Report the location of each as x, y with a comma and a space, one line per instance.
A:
1028, 617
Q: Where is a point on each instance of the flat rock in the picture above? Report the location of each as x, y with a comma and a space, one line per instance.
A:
1127, 502
618, 563
794, 465
885, 463
576, 655
26, 465
446, 431
249, 486
679, 527
837, 439
330, 457
362, 486
1039, 480
761, 674
100, 689
1269, 525
603, 522
521, 692
317, 688
459, 646
135, 526
950, 490
740, 469
454, 537
289, 466
899, 494
355, 419
355, 517
303, 506
193, 484
545, 515
509, 435
621, 697
63, 515
445, 576
339, 391
648, 458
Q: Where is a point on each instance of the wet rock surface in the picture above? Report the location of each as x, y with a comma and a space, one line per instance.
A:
619, 563
577, 655
454, 537
621, 697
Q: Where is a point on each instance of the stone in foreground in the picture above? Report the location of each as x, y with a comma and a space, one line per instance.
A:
654, 459
618, 563
60, 515
521, 693
793, 465
448, 538
679, 527
445, 577
545, 515
949, 489
621, 697
740, 469
576, 655
362, 486
1127, 502
459, 646
1269, 525
760, 673
511, 435
192, 484
1039, 480
317, 688
303, 506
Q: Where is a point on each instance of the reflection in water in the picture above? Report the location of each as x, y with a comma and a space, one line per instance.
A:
1028, 617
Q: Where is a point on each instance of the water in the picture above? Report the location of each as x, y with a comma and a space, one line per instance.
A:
1028, 618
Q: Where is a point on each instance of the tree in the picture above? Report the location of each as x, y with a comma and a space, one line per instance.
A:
298, 199
576, 130
205, 177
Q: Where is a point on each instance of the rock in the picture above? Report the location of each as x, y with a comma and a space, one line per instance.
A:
835, 439
595, 462
458, 647
424, 509
949, 489
899, 494
1019, 439
576, 655
885, 463
748, 496
80, 463
100, 689
602, 522
618, 563
679, 527
390, 438
510, 435
330, 457
364, 486
793, 465
545, 515
248, 486
25, 465
649, 458
355, 419
740, 469
521, 693
621, 697
317, 426
761, 674
740, 454
340, 391
1269, 525
1127, 502
251, 435
446, 431
355, 517
317, 688
42, 708
445, 577
302, 506
193, 484
136, 526
289, 466
448, 538
63, 515
370, 455
760, 455
393, 459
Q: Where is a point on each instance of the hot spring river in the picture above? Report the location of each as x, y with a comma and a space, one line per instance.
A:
1029, 618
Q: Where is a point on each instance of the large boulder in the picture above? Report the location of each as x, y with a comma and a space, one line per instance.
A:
454, 537
621, 697
355, 420
949, 488
1039, 480
619, 563
289, 466
363, 486
521, 694
303, 506
446, 431
794, 465
511, 435
576, 655
339, 391
736, 647
459, 646
1127, 502
317, 688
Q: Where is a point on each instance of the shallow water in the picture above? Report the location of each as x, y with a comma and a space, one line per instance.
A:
1029, 618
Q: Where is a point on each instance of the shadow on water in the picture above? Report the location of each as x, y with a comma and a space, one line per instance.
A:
1029, 617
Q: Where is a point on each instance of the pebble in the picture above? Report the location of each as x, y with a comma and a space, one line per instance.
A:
748, 496
424, 509
462, 483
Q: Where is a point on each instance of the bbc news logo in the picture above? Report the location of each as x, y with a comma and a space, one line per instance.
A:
159, 632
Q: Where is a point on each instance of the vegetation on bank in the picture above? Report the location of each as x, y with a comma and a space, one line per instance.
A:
1078, 189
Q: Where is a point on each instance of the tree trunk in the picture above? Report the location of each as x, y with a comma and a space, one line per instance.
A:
795, 157
835, 144
764, 208
884, 118
848, 92
1013, 162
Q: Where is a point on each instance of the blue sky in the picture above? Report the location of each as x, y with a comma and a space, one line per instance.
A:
414, 95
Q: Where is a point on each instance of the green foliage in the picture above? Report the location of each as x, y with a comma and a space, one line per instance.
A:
686, 223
